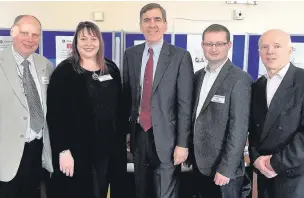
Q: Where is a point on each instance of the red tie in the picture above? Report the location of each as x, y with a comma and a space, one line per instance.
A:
145, 119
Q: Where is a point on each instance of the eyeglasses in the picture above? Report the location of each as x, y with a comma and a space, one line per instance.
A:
219, 44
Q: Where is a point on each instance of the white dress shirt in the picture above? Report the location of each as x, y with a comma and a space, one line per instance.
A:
274, 82
209, 79
30, 135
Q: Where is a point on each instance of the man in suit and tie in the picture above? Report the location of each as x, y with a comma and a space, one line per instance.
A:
276, 135
158, 81
220, 119
24, 138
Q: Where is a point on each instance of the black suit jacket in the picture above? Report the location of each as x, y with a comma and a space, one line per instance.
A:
171, 97
278, 130
221, 128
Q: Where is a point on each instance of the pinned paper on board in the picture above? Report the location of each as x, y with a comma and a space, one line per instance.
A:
5, 42
63, 47
138, 42
297, 55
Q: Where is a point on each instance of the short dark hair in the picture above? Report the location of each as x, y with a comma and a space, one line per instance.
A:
217, 28
92, 29
18, 18
152, 6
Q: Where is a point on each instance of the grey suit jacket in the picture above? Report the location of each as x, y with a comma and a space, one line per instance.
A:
221, 129
14, 113
171, 97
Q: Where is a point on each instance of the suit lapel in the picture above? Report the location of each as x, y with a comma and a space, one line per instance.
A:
162, 64
10, 69
262, 101
197, 86
279, 100
137, 61
220, 78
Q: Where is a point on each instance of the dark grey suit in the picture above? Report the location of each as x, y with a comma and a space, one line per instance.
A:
220, 130
279, 131
170, 103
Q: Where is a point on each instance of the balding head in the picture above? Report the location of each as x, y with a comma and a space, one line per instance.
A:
26, 33
276, 33
275, 49
20, 17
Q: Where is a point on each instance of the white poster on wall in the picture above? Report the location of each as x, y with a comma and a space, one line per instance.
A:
297, 55
137, 42
194, 47
296, 58
5, 42
63, 47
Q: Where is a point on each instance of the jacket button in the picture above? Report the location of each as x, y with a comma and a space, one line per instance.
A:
280, 128
22, 136
257, 125
24, 118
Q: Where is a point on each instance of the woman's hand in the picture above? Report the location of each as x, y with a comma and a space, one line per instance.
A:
66, 163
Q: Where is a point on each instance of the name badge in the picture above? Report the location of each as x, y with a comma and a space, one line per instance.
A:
45, 80
218, 99
105, 78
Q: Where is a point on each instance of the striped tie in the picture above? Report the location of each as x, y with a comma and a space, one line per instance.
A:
33, 99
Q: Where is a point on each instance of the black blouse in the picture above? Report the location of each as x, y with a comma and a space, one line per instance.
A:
104, 100
84, 114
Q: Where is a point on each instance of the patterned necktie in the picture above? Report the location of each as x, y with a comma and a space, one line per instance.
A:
145, 119
33, 99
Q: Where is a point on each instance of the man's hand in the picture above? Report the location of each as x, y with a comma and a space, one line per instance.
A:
261, 165
180, 155
220, 179
268, 165
66, 162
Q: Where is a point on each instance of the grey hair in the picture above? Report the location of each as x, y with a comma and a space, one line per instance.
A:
151, 6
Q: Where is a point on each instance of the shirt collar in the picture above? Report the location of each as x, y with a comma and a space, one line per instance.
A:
155, 46
217, 70
280, 73
19, 59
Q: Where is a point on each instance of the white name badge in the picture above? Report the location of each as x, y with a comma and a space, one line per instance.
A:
104, 78
45, 80
218, 99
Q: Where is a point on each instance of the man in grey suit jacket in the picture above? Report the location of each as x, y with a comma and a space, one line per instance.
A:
158, 81
220, 118
24, 138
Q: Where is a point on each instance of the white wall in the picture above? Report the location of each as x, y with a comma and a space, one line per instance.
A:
288, 16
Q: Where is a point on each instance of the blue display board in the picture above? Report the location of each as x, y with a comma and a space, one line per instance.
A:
238, 53
253, 53
7, 32
131, 37
49, 43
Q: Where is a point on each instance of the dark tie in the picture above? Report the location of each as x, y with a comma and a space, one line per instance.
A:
145, 119
33, 99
